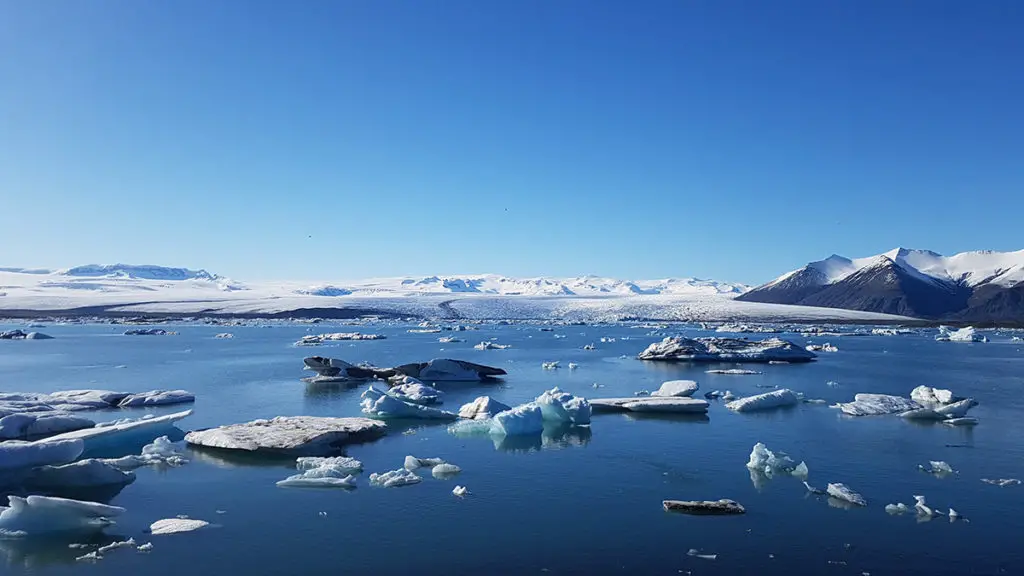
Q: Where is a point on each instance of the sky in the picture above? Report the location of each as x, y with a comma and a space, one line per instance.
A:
357, 138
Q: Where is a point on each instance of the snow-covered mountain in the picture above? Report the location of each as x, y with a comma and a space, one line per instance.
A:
982, 285
129, 290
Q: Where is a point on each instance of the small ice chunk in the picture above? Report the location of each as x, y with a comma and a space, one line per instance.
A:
961, 422
175, 526
341, 463
34, 515
675, 405
953, 515
332, 472
444, 471
764, 460
957, 409
897, 509
704, 507
160, 452
676, 388
813, 490
487, 345
550, 365
767, 401
394, 478
1002, 482
843, 492
90, 557
416, 392
728, 396
573, 365
734, 372
129, 543
938, 468
697, 554
801, 471
460, 491
414, 463
482, 408
927, 395
922, 507
147, 547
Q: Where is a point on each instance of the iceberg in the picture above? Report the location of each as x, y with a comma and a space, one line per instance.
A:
957, 409
488, 345
414, 463
149, 332
377, 404
1002, 482
176, 526
445, 471
290, 435
521, 420
767, 401
897, 509
318, 339
734, 372
336, 472
26, 425
224, 335
725, 350
157, 398
482, 408
650, 404
845, 493
86, 399
15, 454
395, 478
926, 395
82, 474
922, 414
877, 404
460, 491
764, 460
121, 432
415, 392
39, 515
22, 335
549, 365
938, 468
448, 370
676, 388
968, 334
704, 507
562, 407
161, 452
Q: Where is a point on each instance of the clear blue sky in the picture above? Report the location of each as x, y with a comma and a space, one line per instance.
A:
264, 139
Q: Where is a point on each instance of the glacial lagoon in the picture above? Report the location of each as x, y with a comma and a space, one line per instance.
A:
574, 500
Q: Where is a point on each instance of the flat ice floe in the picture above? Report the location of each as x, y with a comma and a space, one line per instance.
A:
767, 401
41, 515
81, 400
394, 478
157, 398
488, 345
291, 435
734, 372
22, 335
704, 507
681, 349
317, 339
926, 395
377, 404
176, 526
843, 492
877, 404
681, 405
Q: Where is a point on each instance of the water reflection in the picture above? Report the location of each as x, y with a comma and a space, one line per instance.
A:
552, 437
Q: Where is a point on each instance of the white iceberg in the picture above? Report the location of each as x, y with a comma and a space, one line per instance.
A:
415, 392
16, 454
968, 334
292, 435
161, 452
395, 478
676, 388
224, 335
957, 409
1002, 482
734, 372
317, 339
39, 515
414, 463
549, 365
877, 404
122, 431
176, 526
157, 398
922, 414
922, 507
564, 408
488, 345
767, 462
460, 491
378, 404
725, 350
82, 474
671, 405
26, 425
926, 395
767, 401
843, 492
445, 470
482, 408
521, 420
938, 468
336, 472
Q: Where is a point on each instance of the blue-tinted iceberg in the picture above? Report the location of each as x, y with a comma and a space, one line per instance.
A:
377, 404
41, 515
766, 401
15, 454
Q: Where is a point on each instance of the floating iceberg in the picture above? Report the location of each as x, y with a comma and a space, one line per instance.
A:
1002, 482
377, 404
445, 471
549, 365
676, 388
292, 435
681, 405
704, 507
16, 454
562, 407
395, 478
767, 462
938, 468
409, 389
521, 420
897, 509
39, 515
157, 398
922, 414
734, 372
460, 491
844, 492
26, 425
149, 332
82, 474
957, 409
161, 452
766, 401
224, 335
877, 404
121, 432
448, 340
725, 350
968, 334
22, 335
176, 526
922, 508
317, 339
482, 408
926, 395
413, 463
488, 345
448, 370
336, 472
826, 347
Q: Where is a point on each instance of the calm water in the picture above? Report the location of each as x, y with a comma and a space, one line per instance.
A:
581, 501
